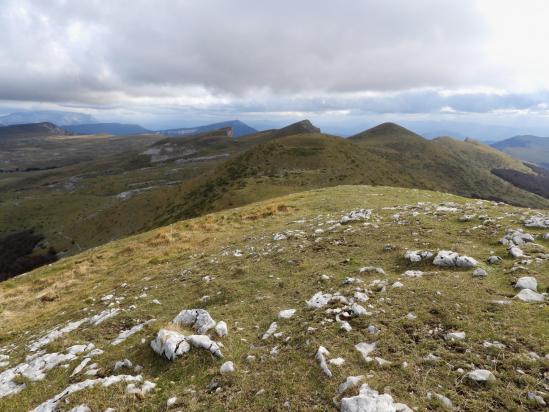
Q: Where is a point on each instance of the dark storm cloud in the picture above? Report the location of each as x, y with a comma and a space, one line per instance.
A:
104, 50
310, 56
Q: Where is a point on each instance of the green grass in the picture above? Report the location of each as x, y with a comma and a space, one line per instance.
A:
250, 290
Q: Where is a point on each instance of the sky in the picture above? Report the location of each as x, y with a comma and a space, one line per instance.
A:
346, 64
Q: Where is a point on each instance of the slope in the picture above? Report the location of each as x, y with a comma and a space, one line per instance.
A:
246, 265
385, 155
532, 149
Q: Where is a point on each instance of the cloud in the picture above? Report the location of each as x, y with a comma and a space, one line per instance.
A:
348, 58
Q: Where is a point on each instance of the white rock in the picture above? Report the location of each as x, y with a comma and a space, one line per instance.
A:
199, 319
447, 258
372, 269
361, 297
126, 363
481, 375
336, 361
479, 273
413, 273
537, 398
359, 310
494, 260
447, 403
452, 336
350, 382
279, 236
537, 221
51, 404
221, 329
272, 329
227, 367
546, 236
369, 400
411, 316
397, 284
356, 215
171, 401
286, 314
321, 354
417, 255
516, 252
103, 316
527, 282
527, 295
204, 342
365, 349
170, 344
125, 334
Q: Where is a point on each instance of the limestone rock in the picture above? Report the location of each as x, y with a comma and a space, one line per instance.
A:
199, 319
527, 295
369, 400
447, 258
481, 375
527, 282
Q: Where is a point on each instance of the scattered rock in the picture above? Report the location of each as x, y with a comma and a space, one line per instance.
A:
494, 260
515, 251
417, 255
272, 329
516, 237
536, 398
537, 221
414, 273
356, 215
447, 403
227, 367
369, 400
481, 375
447, 258
528, 295
171, 401
199, 319
527, 282
365, 349
480, 273
221, 329
321, 355
286, 314
452, 336
372, 269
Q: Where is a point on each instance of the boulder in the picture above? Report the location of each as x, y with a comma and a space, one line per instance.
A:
199, 319
481, 375
537, 221
494, 260
527, 282
227, 367
527, 295
369, 400
447, 258
479, 273
417, 255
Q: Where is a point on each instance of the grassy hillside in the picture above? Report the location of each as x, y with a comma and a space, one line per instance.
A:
229, 264
532, 149
105, 188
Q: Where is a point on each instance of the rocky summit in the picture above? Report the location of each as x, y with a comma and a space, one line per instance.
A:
352, 298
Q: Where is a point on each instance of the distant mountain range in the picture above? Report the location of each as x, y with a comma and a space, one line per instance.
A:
51, 116
532, 149
116, 129
239, 129
30, 130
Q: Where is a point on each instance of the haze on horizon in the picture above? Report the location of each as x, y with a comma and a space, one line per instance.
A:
177, 63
